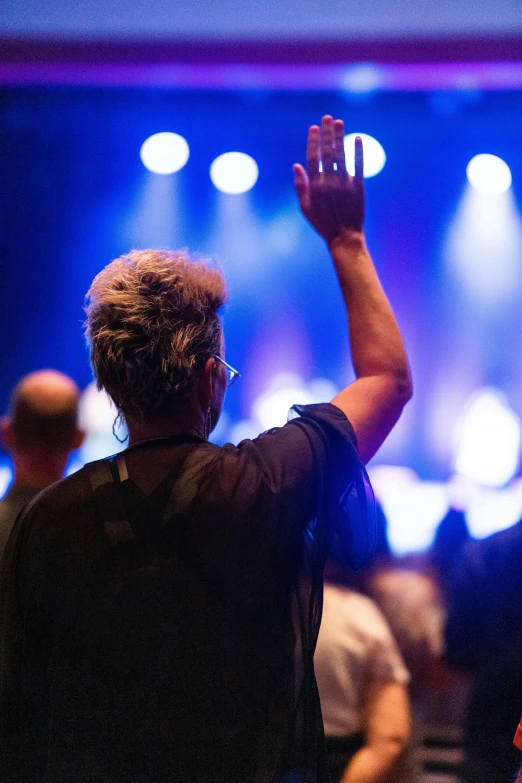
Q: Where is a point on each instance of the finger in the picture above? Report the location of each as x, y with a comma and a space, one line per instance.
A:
312, 152
358, 155
339, 157
327, 148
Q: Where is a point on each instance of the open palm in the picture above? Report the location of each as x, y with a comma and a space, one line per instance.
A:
330, 199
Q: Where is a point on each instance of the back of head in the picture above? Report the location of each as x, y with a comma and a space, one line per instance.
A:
152, 321
44, 412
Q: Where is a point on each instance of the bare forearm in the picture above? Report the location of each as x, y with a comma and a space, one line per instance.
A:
376, 343
372, 764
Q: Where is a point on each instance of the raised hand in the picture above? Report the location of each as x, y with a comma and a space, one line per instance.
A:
331, 200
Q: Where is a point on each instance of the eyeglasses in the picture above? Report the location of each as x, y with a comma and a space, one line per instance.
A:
232, 374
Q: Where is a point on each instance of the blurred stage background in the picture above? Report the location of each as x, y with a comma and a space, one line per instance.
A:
82, 89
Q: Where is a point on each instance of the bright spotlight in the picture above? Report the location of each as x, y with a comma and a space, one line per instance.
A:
164, 153
286, 389
234, 172
6, 476
97, 413
488, 174
374, 154
492, 510
272, 408
413, 508
489, 446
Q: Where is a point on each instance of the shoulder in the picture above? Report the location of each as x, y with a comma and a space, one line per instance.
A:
358, 611
483, 554
69, 490
313, 435
58, 503
504, 539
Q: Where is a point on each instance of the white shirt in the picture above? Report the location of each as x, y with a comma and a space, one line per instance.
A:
355, 647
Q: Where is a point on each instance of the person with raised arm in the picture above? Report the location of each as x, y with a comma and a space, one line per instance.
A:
160, 609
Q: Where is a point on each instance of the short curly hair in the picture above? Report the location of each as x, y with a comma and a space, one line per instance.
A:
152, 319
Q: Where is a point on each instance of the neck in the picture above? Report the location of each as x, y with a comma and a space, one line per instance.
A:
169, 426
39, 472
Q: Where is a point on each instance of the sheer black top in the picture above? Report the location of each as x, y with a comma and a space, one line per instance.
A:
159, 612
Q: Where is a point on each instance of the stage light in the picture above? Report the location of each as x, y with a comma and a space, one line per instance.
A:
374, 154
234, 172
286, 389
488, 174
493, 510
273, 407
6, 477
362, 78
413, 508
488, 440
246, 429
97, 414
164, 153
484, 247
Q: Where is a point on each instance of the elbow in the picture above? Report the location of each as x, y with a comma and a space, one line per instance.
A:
403, 387
393, 749
399, 390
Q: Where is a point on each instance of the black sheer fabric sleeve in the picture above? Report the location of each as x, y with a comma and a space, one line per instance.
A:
312, 468
345, 496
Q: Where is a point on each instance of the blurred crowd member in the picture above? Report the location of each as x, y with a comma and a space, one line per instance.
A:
39, 433
162, 628
362, 683
484, 638
410, 591
410, 599
444, 555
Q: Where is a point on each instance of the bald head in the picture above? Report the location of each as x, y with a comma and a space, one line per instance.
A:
44, 411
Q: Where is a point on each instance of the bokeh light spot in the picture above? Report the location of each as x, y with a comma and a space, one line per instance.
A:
164, 153
234, 172
489, 174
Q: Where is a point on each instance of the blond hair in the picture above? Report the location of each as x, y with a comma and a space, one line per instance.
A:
152, 320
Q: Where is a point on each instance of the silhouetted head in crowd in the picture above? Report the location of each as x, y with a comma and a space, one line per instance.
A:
157, 343
450, 537
41, 427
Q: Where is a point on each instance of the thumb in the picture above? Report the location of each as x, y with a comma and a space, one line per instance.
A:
302, 188
300, 182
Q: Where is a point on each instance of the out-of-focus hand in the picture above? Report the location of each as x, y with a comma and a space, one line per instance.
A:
331, 200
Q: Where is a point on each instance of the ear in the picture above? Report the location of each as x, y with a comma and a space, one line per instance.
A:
78, 438
6, 433
207, 380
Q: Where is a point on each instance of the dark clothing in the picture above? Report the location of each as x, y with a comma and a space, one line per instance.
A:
484, 637
341, 751
177, 644
18, 496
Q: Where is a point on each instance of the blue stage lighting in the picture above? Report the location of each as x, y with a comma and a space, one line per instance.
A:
489, 174
234, 172
374, 154
164, 153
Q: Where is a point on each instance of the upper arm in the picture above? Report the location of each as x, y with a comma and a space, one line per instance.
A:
373, 405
